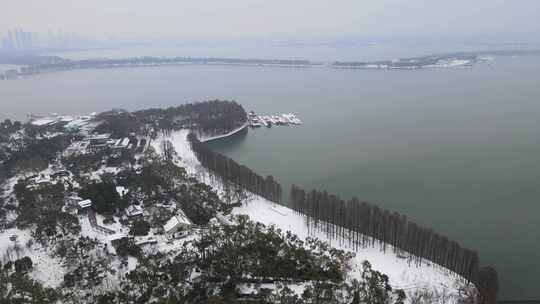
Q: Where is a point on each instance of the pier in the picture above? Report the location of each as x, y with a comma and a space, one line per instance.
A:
257, 121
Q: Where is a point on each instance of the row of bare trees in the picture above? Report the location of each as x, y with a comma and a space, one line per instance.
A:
359, 223
234, 172
362, 224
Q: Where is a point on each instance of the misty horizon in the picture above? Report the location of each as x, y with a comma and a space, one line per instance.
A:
234, 21
255, 151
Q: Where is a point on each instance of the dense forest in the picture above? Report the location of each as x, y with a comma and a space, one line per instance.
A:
362, 224
214, 117
210, 117
231, 259
234, 172
28, 151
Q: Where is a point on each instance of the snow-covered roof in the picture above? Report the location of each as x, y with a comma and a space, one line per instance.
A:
182, 218
222, 219
100, 136
77, 123
116, 236
44, 121
171, 224
145, 240
134, 210
121, 143
85, 204
60, 173
42, 180
125, 142
66, 118
179, 219
121, 190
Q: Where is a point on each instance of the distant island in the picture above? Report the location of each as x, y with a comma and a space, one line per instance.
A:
35, 64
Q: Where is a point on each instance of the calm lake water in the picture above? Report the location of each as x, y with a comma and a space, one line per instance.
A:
454, 149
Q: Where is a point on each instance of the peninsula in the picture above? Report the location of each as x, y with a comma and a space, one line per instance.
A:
134, 207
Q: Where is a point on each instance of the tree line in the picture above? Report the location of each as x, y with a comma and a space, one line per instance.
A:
234, 172
362, 224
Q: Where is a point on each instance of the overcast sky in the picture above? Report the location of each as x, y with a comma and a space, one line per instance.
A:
230, 19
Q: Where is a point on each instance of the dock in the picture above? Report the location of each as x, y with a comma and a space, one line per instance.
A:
257, 121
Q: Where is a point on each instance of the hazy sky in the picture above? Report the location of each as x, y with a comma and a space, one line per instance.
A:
227, 19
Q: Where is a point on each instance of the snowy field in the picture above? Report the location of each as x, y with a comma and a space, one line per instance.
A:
16, 244
441, 282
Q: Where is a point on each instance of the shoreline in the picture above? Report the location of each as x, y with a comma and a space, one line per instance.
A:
428, 275
217, 137
437, 61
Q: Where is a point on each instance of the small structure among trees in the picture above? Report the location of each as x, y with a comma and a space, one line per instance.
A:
176, 223
134, 210
84, 204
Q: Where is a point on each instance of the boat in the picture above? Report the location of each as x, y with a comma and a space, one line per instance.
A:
257, 121
292, 119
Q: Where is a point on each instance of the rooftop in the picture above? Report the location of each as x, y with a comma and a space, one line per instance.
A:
85, 204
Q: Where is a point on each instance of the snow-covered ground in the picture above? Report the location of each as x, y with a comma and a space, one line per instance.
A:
104, 238
186, 157
400, 273
426, 277
16, 244
50, 271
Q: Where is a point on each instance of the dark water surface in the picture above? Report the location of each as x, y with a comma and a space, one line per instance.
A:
454, 149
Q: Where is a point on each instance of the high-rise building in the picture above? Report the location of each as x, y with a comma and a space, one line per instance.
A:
17, 39
11, 40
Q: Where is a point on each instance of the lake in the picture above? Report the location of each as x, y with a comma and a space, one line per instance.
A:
454, 149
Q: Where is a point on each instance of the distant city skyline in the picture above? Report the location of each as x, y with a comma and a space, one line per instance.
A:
249, 19
19, 39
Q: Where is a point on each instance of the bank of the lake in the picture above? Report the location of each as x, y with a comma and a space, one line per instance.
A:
226, 136
453, 149
458, 154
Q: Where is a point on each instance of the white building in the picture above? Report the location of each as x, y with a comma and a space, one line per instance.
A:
134, 210
85, 204
177, 222
121, 191
122, 143
99, 140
